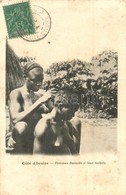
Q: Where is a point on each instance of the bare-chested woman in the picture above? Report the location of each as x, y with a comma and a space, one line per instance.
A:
55, 133
26, 106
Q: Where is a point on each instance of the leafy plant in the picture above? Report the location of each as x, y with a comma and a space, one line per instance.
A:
96, 81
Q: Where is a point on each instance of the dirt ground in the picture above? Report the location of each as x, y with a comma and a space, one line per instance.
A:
98, 135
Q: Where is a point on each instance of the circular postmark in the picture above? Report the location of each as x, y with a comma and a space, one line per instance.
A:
42, 24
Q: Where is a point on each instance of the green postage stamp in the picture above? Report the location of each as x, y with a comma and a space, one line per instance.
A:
19, 19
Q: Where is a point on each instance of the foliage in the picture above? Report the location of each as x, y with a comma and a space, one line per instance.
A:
107, 62
68, 73
96, 81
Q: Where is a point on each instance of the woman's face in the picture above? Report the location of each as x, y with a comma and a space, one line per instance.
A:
64, 106
34, 79
66, 113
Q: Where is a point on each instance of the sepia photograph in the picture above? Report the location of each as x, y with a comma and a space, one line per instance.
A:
62, 96
68, 108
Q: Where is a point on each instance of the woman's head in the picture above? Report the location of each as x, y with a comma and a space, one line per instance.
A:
67, 101
33, 74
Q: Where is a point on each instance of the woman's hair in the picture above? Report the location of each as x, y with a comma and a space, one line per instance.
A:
29, 66
67, 98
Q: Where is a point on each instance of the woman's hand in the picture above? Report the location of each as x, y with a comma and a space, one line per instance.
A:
47, 95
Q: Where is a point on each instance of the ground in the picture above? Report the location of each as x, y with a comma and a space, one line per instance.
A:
98, 135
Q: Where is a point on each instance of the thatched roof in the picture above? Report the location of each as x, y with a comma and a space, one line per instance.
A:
14, 75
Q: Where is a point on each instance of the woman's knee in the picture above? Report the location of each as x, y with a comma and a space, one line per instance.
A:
21, 127
38, 133
76, 123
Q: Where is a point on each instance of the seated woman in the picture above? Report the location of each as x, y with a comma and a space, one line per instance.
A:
55, 133
26, 104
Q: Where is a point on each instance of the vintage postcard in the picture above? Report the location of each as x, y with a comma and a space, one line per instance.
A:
62, 95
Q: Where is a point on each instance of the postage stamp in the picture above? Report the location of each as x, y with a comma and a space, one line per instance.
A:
42, 23
18, 19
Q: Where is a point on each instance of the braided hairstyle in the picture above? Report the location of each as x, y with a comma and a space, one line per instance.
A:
67, 98
29, 66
